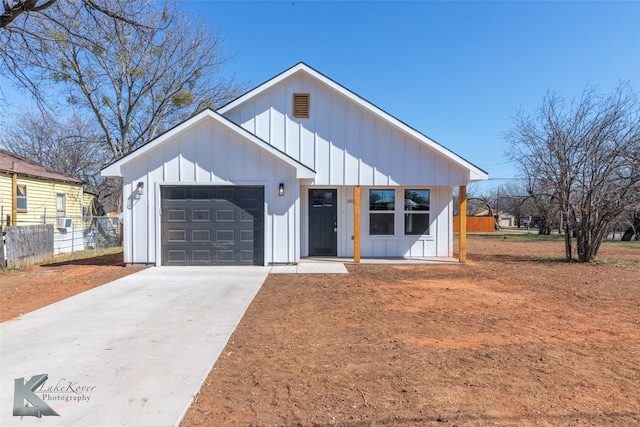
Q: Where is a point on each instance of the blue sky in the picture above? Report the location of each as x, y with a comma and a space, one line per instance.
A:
455, 71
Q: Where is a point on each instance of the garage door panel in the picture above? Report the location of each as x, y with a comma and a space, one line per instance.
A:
225, 215
177, 236
202, 256
201, 215
175, 255
175, 215
212, 225
201, 236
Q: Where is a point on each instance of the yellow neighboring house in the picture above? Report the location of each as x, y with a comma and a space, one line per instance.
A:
31, 193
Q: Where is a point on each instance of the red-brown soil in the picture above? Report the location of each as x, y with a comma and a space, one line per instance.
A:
514, 337
27, 289
505, 340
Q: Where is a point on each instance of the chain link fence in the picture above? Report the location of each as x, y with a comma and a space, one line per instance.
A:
70, 235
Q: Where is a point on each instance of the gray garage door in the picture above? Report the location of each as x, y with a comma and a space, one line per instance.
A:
212, 225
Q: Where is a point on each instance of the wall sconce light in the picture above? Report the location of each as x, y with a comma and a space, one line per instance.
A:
140, 189
281, 189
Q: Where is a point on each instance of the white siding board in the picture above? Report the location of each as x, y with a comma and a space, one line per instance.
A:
397, 158
293, 127
352, 146
263, 119
278, 118
172, 162
307, 134
382, 150
236, 156
367, 146
336, 149
248, 117
411, 163
220, 154
251, 162
188, 155
203, 153
323, 139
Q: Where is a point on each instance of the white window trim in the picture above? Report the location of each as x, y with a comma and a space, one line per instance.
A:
398, 212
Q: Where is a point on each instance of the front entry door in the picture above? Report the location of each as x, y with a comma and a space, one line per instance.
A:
323, 223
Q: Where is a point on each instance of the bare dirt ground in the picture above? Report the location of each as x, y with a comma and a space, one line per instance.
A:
514, 337
507, 339
28, 289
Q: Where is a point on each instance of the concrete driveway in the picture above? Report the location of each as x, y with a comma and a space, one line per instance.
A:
130, 353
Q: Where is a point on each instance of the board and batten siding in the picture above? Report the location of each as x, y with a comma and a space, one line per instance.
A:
437, 244
208, 153
343, 142
41, 199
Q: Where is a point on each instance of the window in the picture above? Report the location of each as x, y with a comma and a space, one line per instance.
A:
61, 205
301, 104
382, 204
416, 212
22, 198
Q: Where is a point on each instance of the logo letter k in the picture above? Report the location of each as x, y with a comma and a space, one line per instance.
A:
24, 392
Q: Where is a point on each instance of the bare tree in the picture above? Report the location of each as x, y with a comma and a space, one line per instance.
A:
12, 9
586, 154
514, 198
21, 33
72, 147
135, 80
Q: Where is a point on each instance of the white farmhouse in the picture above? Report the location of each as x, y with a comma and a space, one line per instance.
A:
297, 167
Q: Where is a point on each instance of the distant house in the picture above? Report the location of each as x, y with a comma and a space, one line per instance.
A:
299, 166
31, 193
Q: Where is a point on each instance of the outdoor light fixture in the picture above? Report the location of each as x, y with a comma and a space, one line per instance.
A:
140, 189
281, 189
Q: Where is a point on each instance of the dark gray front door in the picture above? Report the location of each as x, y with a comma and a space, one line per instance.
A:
212, 225
323, 225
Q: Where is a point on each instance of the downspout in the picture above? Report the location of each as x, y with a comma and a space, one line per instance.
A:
14, 195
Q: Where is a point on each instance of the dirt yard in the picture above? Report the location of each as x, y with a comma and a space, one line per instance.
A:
514, 337
25, 290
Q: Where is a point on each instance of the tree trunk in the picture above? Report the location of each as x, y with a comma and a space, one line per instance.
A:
567, 242
633, 230
628, 234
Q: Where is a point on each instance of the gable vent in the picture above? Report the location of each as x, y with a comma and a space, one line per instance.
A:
301, 105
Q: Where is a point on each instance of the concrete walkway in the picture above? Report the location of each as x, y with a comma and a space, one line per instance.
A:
130, 353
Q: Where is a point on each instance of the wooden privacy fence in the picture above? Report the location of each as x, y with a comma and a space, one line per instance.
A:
27, 244
476, 223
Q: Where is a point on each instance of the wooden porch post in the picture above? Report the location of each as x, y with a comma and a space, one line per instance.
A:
14, 198
462, 213
356, 223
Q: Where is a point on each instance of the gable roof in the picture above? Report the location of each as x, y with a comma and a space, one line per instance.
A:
302, 171
475, 173
12, 163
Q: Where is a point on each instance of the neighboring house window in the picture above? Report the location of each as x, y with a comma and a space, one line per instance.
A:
61, 205
301, 105
381, 212
22, 198
416, 212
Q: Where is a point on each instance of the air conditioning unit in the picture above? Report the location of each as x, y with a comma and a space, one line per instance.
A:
65, 223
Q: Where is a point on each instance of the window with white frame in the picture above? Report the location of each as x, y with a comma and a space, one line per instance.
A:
381, 212
416, 212
21, 191
61, 205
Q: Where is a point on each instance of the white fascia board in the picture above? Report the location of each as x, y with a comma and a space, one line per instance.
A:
476, 174
115, 169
